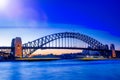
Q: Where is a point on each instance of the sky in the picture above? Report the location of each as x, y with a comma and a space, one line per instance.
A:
32, 19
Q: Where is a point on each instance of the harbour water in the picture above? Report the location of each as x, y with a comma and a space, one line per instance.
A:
61, 70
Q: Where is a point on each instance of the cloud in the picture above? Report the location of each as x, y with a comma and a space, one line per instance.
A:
20, 15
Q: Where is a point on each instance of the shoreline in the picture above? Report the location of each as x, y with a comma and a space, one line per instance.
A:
53, 59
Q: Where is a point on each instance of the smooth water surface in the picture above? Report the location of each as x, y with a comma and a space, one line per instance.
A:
61, 70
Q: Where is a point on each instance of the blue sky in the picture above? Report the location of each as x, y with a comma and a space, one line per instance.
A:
32, 19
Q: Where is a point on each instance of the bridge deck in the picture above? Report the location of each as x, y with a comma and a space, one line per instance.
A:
77, 48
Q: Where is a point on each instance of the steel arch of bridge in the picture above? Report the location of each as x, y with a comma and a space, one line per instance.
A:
93, 43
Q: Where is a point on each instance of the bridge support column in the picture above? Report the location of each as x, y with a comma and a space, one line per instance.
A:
112, 47
113, 54
17, 44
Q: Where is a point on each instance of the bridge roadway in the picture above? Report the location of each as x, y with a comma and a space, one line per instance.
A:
75, 48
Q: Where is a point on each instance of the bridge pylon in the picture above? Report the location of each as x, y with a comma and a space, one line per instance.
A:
112, 47
17, 50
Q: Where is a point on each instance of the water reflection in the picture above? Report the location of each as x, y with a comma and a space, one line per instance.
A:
60, 70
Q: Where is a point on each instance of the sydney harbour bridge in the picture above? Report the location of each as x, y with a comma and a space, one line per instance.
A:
63, 40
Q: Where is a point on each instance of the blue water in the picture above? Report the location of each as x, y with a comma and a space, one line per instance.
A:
60, 70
